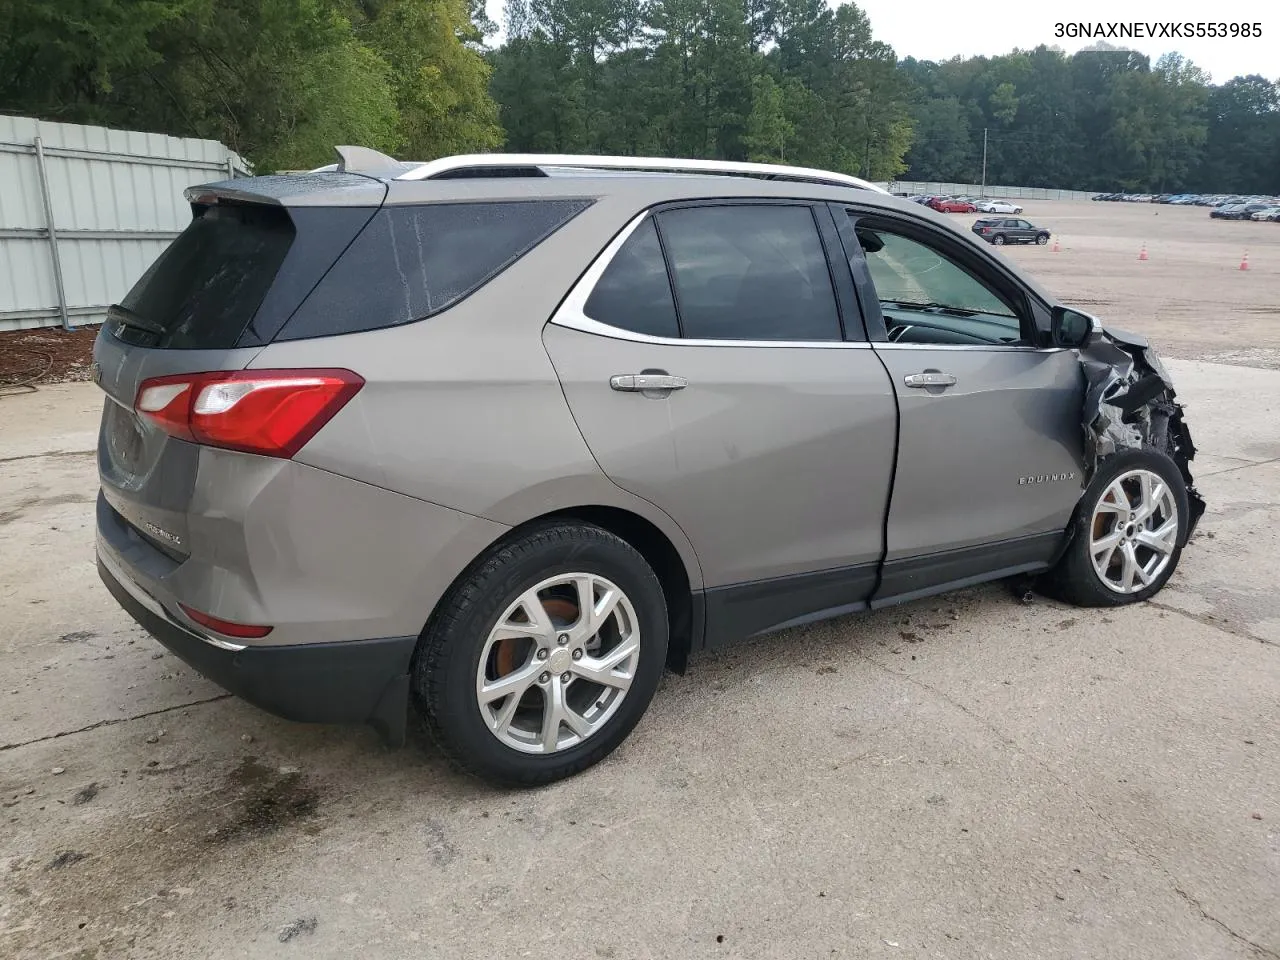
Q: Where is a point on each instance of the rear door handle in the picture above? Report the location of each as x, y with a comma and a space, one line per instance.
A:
931, 379
640, 382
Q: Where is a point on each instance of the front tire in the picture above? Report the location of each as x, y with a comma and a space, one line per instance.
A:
1042, 239
544, 656
1128, 533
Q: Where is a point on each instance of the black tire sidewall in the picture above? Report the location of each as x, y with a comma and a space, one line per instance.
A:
1076, 569
449, 696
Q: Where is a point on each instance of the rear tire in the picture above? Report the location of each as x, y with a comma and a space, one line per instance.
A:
1127, 535
515, 622
998, 239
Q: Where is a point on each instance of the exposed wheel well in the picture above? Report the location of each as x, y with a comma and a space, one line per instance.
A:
660, 554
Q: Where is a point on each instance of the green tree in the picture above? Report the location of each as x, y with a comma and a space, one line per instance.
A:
942, 148
1242, 146
439, 75
768, 128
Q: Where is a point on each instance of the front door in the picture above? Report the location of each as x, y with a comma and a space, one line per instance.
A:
990, 453
738, 405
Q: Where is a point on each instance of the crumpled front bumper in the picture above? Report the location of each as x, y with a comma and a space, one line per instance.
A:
1131, 404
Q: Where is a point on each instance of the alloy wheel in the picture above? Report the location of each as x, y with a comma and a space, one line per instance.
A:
1134, 531
558, 663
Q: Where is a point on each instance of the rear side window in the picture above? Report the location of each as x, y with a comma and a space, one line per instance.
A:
634, 292
747, 272
204, 289
413, 261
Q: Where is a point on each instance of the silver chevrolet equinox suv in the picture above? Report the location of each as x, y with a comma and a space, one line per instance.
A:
503, 437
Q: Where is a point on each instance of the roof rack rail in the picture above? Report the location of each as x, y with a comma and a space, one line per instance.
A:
452, 165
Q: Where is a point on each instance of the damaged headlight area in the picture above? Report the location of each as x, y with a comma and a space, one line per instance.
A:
1130, 404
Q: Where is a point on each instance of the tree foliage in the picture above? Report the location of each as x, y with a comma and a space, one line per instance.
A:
792, 81
779, 80
1098, 120
279, 81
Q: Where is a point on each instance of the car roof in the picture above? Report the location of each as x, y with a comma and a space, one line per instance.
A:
365, 177
507, 177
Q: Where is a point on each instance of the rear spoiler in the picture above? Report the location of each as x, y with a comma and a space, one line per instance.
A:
331, 189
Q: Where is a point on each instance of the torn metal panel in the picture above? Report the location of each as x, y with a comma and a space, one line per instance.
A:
1130, 403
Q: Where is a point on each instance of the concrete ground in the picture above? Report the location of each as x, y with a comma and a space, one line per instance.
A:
963, 777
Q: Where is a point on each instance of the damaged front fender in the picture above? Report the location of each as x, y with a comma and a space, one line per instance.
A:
1130, 404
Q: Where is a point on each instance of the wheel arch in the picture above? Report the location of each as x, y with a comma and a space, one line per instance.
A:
684, 616
681, 584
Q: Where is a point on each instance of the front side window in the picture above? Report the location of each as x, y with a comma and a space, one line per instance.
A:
927, 297
750, 272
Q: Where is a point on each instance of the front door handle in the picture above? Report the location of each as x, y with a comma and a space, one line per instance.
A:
642, 382
930, 379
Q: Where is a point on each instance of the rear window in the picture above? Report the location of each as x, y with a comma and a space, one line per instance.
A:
413, 261
747, 272
634, 292
204, 289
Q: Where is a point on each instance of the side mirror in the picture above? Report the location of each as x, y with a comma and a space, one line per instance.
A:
1070, 328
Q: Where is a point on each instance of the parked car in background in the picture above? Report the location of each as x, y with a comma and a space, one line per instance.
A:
997, 206
1002, 230
1238, 211
1267, 213
952, 205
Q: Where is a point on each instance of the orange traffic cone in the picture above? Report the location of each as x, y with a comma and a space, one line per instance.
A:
1142, 254
1244, 261
1055, 245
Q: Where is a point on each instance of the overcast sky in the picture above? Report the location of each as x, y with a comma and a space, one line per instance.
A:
988, 27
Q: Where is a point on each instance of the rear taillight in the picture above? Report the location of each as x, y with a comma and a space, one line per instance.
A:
269, 412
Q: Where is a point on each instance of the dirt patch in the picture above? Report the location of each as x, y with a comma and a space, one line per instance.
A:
269, 799
114, 884
47, 355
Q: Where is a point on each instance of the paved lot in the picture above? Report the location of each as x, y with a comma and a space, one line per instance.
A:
964, 777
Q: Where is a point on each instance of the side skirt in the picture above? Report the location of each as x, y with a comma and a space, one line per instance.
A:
749, 609
910, 579
744, 610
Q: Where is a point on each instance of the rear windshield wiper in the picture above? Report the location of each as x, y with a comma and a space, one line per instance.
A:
958, 311
127, 318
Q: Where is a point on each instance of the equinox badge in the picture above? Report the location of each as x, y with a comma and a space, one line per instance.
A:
1046, 478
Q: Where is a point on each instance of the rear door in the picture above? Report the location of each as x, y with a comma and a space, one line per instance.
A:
730, 383
990, 453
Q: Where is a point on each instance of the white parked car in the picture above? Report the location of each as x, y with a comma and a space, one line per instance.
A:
998, 206
1267, 213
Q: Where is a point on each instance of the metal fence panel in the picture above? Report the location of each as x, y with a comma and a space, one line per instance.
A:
115, 200
993, 191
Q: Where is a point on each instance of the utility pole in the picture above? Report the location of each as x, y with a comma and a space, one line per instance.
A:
983, 194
